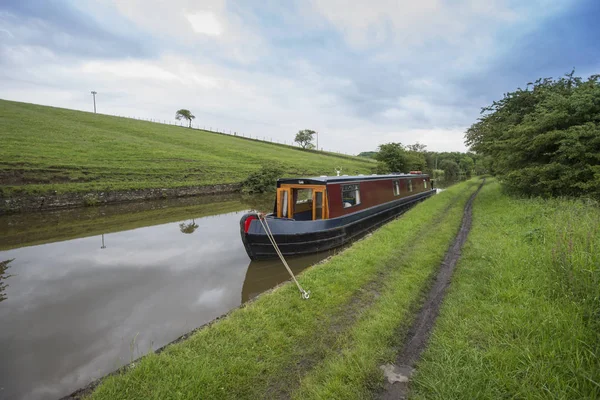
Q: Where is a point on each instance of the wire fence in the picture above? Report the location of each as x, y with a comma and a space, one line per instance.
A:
241, 135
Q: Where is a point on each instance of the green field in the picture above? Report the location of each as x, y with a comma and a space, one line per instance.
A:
46, 148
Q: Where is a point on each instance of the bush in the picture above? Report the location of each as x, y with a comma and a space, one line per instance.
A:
262, 181
544, 140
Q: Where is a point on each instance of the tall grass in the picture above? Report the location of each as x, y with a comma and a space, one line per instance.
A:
521, 316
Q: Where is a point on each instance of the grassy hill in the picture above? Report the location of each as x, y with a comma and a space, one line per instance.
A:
46, 148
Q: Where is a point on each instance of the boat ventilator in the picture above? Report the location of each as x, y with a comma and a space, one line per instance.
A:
263, 221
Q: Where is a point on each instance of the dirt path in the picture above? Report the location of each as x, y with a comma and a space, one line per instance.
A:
398, 374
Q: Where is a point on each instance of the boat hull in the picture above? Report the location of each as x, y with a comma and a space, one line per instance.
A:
305, 237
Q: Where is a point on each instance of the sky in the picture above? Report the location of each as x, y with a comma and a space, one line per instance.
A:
362, 73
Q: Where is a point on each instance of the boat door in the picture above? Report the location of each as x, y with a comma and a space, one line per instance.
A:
319, 210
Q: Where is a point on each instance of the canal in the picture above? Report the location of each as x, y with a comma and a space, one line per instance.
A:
86, 291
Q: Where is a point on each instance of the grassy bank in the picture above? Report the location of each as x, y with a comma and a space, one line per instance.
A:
282, 346
47, 148
522, 317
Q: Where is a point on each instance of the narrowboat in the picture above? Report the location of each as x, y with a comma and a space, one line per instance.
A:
321, 213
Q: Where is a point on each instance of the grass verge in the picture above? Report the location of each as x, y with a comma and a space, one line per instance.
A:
265, 348
522, 317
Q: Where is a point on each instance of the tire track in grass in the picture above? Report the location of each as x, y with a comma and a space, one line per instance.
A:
398, 374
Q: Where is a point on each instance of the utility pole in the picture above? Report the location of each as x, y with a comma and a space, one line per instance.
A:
94, 94
317, 140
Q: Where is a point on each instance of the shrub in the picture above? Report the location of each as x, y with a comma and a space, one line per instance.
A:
263, 180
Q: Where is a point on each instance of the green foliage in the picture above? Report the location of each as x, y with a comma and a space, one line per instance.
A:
393, 156
368, 154
451, 170
415, 161
185, 114
264, 180
304, 138
417, 147
466, 166
545, 139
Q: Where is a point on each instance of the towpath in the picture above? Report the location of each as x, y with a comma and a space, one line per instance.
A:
398, 375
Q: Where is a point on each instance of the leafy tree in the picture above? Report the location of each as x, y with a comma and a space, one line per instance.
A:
415, 161
451, 170
185, 114
393, 156
544, 139
466, 165
304, 138
418, 147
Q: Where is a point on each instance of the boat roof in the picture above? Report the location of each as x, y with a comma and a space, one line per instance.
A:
319, 180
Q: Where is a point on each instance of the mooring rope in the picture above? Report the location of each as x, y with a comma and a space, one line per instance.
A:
261, 218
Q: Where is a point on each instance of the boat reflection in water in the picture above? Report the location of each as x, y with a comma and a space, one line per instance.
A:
265, 274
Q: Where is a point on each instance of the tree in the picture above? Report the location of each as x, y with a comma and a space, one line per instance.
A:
304, 138
417, 147
393, 156
544, 139
185, 114
451, 170
466, 165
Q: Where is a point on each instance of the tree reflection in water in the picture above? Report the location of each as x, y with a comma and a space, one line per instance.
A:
189, 227
3, 276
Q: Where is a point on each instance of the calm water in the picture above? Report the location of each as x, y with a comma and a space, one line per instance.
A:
121, 281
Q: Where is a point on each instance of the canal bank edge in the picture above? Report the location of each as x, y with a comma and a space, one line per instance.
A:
54, 201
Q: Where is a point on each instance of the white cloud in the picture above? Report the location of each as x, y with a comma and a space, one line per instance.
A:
127, 69
205, 22
399, 79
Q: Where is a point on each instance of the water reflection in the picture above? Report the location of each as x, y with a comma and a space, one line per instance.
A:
264, 274
75, 307
4, 265
189, 227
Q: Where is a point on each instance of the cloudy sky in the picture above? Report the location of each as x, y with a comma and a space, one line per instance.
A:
361, 73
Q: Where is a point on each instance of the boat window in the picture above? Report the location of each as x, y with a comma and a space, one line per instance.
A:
410, 185
425, 183
302, 196
284, 204
350, 195
396, 188
302, 201
318, 205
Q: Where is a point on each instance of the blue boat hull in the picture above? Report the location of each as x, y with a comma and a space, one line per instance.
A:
305, 237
